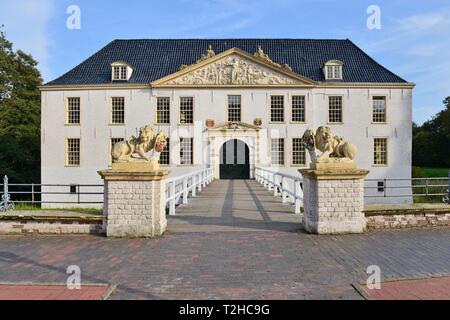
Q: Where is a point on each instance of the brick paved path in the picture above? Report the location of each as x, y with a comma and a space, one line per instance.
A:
267, 256
50, 292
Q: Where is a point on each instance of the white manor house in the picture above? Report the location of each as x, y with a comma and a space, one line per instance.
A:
253, 98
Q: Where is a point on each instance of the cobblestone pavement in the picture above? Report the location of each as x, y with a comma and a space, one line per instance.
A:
242, 253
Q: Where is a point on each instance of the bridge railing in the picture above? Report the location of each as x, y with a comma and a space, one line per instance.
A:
289, 187
180, 188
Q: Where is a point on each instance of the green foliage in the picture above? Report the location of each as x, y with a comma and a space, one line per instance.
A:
19, 114
418, 172
431, 141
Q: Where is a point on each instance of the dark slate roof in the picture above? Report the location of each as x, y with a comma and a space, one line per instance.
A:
153, 59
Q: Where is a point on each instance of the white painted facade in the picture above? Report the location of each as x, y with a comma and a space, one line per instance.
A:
211, 102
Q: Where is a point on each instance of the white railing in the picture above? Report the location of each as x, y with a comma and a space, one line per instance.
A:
289, 187
179, 188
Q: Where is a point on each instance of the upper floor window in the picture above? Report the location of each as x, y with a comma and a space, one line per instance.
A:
277, 108
335, 109
163, 110
73, 111
333, 70
117, 110
121, 71
234, 108
379, 109
298, 108
186, 110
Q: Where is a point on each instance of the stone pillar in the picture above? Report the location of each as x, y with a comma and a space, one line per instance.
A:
333, 198
134, 202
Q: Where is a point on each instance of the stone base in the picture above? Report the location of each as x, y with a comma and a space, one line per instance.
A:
134, 203
136, 166
334, 200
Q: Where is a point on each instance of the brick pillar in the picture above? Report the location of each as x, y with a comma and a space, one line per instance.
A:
333, 200
134, 203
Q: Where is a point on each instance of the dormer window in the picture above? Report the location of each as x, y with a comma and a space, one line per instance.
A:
333, 70
121, 71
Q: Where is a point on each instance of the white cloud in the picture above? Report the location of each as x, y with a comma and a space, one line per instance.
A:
25, 25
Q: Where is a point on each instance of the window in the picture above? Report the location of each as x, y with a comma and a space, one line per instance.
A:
298, 108
186, 153
73, 110
277, 108
379, 109
186, 110
118, 110
120, 73
234, 108
335, 109
277, 148
333, 70
298, 152
73, 188
163, 110
380, 151
73, 152
164, 157
113, 142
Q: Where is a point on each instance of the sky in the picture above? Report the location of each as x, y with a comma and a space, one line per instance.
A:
413, 40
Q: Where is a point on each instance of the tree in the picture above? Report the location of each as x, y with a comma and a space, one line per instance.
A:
431, 140
19, 114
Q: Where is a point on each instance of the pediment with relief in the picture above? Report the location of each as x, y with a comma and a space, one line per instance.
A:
233, 68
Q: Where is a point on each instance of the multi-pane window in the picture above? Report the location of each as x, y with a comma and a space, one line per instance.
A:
298, 108
186, 151
73, 110
277, 151
73, 152
380, 151
163, 110
113, 142
379, 109
234, 108
334, 72
117, 110
186, 110
120, 73
277, 108
298, 152
335, 109
164, 157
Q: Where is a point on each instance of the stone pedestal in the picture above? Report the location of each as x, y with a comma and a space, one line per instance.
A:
134, 201
334, 198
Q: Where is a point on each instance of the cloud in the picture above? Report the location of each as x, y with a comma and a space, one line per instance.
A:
25, 25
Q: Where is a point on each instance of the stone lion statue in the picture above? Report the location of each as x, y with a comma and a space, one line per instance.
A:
331, 147
125, 151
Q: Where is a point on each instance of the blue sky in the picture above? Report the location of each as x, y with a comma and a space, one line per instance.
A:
413, 42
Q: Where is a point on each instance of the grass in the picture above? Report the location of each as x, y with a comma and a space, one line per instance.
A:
435, 172
36, 207
426, 172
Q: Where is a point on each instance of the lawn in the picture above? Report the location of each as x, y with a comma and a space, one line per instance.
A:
425, 172
435, 172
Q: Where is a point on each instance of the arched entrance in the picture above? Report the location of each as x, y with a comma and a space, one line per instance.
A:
234, 160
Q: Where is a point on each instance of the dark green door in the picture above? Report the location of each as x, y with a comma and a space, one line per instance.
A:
234, 160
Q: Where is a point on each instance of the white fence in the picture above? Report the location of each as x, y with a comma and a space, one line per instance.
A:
286, 185
179, 188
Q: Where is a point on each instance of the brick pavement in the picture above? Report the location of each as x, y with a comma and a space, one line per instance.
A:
253, 249
50, 292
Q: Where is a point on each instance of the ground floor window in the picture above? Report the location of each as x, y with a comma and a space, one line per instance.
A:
335, 109
73, 152
380, 156
164, 157
186, 151
113, 142
298, 152
277, 151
